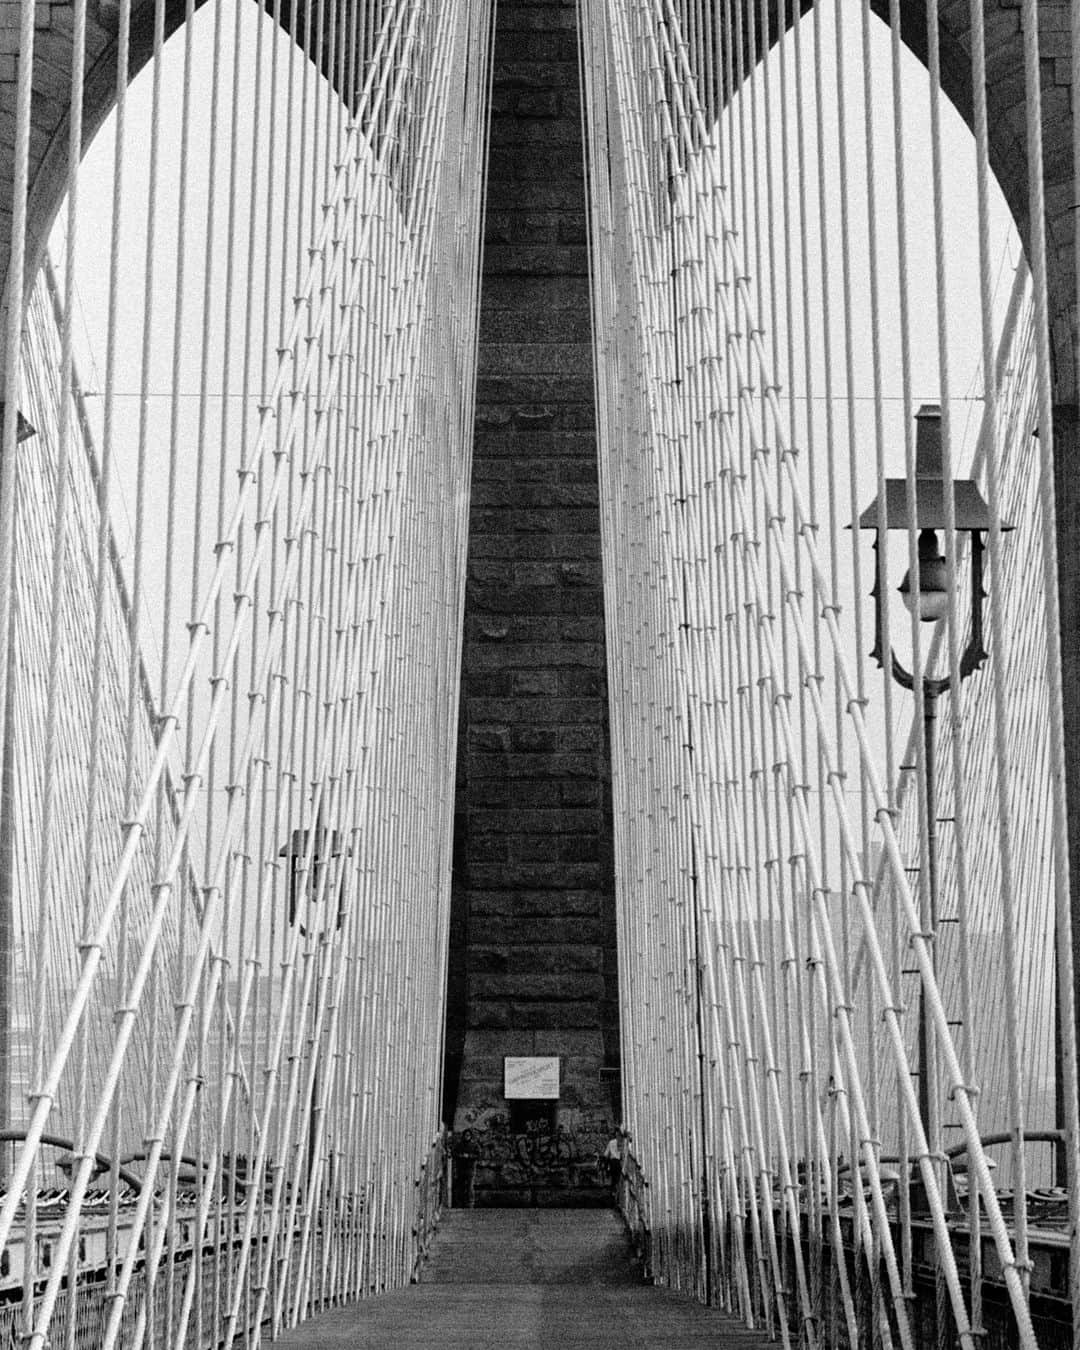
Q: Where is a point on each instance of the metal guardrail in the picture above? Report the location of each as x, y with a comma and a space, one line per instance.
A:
432, 1195
632, 1202
675, 1258
89, 1302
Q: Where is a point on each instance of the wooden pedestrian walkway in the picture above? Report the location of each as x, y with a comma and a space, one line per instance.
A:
535, 1279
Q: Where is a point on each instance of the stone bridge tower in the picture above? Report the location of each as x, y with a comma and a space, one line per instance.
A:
533, 968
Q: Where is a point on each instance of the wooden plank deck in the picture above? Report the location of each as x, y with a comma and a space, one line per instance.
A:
526, 1280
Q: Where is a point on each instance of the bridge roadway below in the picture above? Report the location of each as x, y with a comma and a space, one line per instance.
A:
527, 1279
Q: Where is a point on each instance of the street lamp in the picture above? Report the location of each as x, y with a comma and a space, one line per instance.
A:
928, 601
327, 846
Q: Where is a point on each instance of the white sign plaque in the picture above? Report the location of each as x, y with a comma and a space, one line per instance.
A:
531, 1078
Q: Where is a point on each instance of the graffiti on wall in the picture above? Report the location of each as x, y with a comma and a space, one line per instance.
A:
565, 1154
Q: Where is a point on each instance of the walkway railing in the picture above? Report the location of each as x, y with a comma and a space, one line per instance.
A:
632, 1203
432, 1196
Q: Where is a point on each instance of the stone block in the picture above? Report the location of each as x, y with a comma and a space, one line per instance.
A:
493, 415
537, 904
496, 1044
579, 794
568, 712
530, 574
581, 738
534, 589
541, 130
504, 930
551, 1017
483, 1015
530, 260
580, 848
534, 738
536, 193
582, 499
496, 487
582, 683
588, 1094
497, 464
486, 631
1053, 42
489, 738
540, 103
542, 682
482, 574
533, 74
487, 819
487, 960
534, 358
557, 956
538, 325
515, 521
582, 630
581, 601
522, 227
532, 415
537, 444
573, 878
528, 985
539, 656
579, 572
492, 683
533, 766
514, 629
550, 46
568, 295
535, 848
537, 18
560, 402
511, 546
481, 1070
490, 849
517, 796
581, 470
573, 228
581, 1049
535, 821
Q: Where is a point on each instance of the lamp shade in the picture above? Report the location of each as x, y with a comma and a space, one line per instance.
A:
970, 511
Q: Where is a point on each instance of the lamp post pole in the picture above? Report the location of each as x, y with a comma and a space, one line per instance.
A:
926, 1048
926, 598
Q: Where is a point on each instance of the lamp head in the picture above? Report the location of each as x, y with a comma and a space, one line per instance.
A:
930, 600
970, 512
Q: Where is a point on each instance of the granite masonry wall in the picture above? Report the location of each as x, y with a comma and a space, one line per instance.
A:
533, 968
